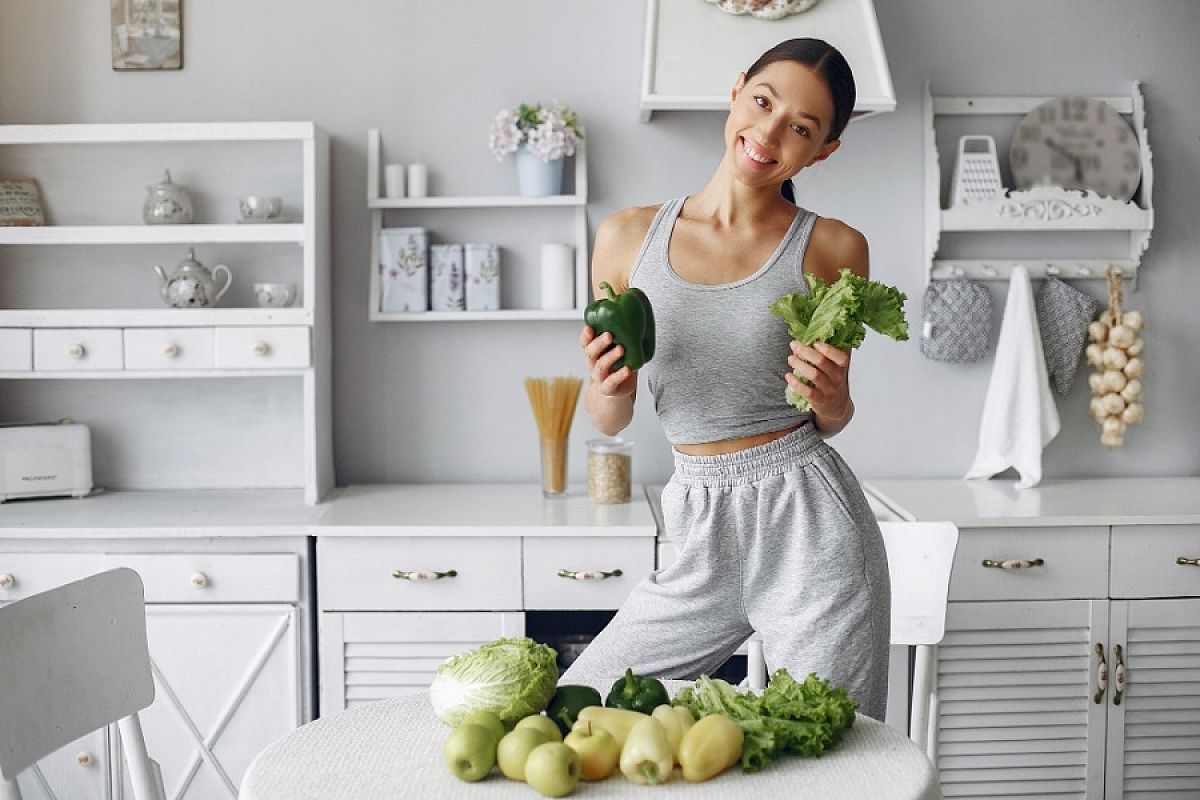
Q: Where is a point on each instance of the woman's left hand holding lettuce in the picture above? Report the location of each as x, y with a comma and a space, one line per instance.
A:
827, 369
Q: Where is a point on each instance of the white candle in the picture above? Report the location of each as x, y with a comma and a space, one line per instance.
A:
393, 180
418, 180
558, 276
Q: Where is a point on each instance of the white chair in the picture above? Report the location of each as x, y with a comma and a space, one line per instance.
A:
74, 659
920, 555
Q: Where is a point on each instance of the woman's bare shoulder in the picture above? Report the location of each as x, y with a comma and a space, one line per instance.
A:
618, 241
834, 246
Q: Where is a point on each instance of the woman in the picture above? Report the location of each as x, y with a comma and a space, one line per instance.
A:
773, 530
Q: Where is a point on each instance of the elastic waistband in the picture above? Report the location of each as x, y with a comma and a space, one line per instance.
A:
776, 457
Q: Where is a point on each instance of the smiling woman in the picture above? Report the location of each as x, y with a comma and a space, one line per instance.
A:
776, 535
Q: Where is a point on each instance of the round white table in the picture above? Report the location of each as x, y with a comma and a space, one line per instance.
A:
393, 748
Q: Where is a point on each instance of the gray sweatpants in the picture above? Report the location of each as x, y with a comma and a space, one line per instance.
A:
777, 539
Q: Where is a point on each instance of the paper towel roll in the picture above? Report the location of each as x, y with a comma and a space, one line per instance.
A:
558, 276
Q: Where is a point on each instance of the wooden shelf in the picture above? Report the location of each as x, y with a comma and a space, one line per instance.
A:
150, 317
153, 234
508, 314
483, 201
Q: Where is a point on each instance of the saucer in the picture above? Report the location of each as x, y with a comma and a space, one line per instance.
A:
268, 221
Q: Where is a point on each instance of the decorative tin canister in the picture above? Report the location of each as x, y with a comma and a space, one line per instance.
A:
483, 277
403, 269
447, 292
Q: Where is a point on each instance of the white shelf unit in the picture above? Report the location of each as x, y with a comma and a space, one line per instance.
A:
1041, 209
88, 272
380, 205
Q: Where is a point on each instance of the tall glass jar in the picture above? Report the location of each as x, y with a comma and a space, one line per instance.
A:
610, 464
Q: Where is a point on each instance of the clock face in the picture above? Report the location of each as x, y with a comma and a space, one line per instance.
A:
1076, 143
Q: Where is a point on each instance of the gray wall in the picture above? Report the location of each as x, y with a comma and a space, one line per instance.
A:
444, 402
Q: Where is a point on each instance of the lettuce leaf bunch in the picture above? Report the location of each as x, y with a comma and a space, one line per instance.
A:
840, 313
804, 718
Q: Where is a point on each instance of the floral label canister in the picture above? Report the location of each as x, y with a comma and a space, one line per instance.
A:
447, 292
483, 276
403, 269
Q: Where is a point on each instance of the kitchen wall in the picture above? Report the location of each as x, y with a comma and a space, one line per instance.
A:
444, 402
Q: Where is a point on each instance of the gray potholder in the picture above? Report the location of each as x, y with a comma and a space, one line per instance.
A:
1063, 314
957, 321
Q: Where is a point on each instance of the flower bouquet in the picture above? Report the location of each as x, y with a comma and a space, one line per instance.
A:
541, 136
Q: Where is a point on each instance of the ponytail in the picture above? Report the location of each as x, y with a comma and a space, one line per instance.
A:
788, 190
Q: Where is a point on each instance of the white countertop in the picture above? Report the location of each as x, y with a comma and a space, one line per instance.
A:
479, 509
1087, 501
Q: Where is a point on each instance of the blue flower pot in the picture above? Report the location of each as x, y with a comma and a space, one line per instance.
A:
537, 178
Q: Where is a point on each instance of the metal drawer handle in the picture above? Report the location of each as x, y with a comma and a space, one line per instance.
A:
1118, 675
589, 575
199, 580
424, 577
76, 351
171, 350
1013, 563
261, 348
1187, 562
7, 581
1101, 674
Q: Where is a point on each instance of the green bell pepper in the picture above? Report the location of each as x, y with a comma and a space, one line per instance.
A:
567, 702
630, 319
637, 693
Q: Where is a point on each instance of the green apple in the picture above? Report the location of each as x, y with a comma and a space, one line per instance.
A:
540, 722
553, 769
488, 720
515, 748
470, 752
599, 751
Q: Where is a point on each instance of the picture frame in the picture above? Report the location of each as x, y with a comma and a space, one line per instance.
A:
147, 35
19, 203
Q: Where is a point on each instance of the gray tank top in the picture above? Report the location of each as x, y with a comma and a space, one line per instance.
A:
720, 355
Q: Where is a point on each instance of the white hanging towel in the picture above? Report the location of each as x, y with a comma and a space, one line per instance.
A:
1019, 415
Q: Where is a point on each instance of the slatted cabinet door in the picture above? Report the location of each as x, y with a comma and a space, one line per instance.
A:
1016, 712
367, 656
1154, 732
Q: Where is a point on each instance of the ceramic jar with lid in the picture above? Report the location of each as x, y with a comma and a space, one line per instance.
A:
167, 203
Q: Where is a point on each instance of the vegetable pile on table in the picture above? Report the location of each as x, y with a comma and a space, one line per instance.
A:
493, 698
840, 313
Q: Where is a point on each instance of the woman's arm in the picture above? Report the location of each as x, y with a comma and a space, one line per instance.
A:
838, 246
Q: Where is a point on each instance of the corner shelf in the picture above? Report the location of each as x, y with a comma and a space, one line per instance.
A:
1040, 209
379, 205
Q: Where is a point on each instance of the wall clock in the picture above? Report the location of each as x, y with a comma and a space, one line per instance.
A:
1076, 143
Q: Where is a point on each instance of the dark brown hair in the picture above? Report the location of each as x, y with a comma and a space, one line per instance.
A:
825, 60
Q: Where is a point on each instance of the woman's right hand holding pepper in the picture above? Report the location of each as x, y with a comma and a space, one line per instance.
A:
602, 353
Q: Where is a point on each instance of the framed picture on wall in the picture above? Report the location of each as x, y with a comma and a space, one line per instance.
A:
147, 34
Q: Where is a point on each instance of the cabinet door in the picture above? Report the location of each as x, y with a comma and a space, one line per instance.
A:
1016, 713
1154, 731
78, 771
371, 656
226, 681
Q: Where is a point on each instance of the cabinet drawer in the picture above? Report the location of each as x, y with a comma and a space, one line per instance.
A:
575, 572
25, 574
16, 349
1075, 564
168, 348
261, 348
368, 574
58, 349
1144, 561
224, 578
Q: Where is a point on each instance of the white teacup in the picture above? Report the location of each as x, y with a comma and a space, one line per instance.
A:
275, 295
257, 207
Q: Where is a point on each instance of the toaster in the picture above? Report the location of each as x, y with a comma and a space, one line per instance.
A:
45, 459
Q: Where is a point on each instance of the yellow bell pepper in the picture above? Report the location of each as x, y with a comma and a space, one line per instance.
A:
617, 721
677, 720
646, 756
710, 747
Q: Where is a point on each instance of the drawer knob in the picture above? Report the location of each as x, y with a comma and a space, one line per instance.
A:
1183, 561
76, 351
1013, 563
171, 350
7, 581
261, 348
424, 576
85, 758
589, 575
199, 580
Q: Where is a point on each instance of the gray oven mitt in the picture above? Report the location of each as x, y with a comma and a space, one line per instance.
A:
1063, 314
957, 321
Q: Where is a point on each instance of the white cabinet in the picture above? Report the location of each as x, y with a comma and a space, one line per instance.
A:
77, 771
502, 215
81, 300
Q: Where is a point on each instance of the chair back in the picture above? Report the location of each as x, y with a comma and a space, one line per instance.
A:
920, 555
73, 659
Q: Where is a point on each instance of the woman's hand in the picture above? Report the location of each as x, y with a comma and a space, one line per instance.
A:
602, 353
828, 388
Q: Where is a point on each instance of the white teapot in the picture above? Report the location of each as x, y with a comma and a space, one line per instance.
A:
193, 285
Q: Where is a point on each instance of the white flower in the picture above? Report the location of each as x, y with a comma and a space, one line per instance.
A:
505, 136
550, 133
